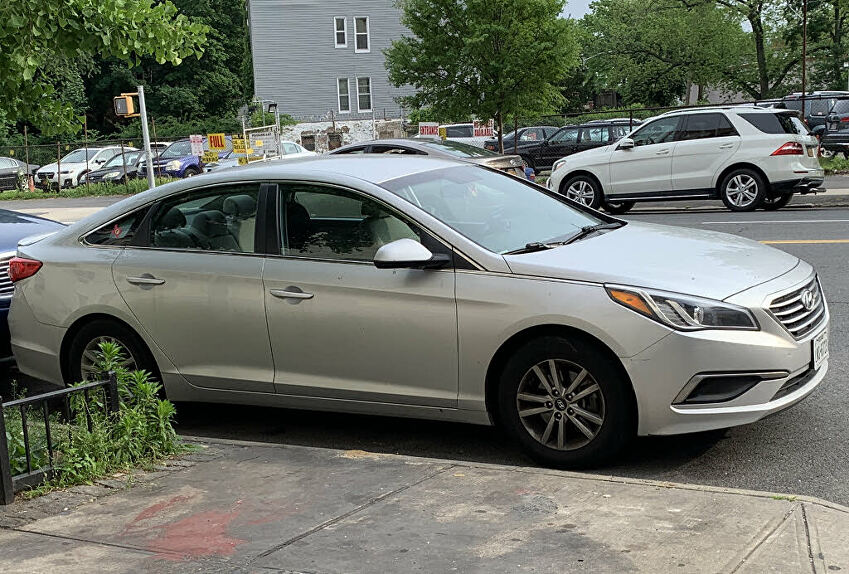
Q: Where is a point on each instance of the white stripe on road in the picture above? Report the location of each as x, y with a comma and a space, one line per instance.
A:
777, 221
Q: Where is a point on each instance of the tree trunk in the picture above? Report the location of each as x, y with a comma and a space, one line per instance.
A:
754, 18
688, 97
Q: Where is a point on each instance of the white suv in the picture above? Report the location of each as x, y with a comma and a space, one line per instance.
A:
747, 156
76, 164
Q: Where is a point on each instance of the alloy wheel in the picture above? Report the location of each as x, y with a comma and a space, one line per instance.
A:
90, 358
742, 190
581, 191
560, 404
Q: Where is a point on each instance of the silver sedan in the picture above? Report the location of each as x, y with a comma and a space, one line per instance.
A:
412, 286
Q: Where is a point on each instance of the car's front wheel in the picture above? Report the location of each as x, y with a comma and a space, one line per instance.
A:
564, 403
84, 352
583, 189
771, 204
742, 190
617, 207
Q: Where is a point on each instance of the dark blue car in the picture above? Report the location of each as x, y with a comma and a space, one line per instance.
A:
14, 226
177, 160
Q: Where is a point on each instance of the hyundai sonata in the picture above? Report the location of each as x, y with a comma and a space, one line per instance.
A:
423, 287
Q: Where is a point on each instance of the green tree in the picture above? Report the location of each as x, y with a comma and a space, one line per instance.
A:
36, 33
487, 58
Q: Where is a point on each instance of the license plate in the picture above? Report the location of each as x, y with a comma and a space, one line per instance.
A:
819, 349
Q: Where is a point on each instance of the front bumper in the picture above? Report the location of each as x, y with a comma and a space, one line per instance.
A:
661, 374
801, 186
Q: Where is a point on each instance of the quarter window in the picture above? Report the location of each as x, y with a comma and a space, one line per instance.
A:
328, 223
663, 130
344, 95
340, 31
364, 94
118, 233
362, 41
217, 219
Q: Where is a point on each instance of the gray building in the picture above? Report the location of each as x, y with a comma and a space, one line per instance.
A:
314, 56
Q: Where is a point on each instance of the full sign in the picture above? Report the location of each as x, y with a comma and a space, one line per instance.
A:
197, 145
484, 130
428, 129
217, 142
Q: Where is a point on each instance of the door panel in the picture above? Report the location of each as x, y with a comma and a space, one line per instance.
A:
561, 144
647, 167
708, 141
340, 327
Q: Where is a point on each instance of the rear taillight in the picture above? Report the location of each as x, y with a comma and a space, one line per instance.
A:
20, 268
844, 120
790, 148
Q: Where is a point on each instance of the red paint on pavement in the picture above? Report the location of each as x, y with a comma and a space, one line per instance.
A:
197, 536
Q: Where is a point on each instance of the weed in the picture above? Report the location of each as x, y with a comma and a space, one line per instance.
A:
132, 187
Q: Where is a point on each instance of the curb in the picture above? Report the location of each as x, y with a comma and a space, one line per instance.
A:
545, 471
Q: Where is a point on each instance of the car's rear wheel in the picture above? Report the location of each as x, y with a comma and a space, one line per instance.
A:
564, 403
617, 207
83, 354
583, 189
742, 190
771, 204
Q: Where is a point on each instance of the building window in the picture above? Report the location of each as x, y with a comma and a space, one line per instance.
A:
364, 94
362, 42
340, 29
344, 95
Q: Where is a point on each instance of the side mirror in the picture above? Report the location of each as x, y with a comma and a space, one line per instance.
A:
407, 254
625, 143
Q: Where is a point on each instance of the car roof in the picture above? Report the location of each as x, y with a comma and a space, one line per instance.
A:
729, 107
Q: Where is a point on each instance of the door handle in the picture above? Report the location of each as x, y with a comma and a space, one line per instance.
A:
286, 294
662, 152
726, 146
145, 280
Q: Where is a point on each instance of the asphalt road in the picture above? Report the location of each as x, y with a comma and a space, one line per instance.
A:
804, 450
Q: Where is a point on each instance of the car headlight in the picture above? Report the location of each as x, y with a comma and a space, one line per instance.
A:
112, 175
173, 165
683, 312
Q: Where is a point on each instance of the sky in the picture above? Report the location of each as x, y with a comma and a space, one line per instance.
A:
577, 8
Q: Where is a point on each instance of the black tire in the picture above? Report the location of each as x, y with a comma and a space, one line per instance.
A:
618, 425
583, 189
191, 172
741, 179
122, 334
618, 207
777, 202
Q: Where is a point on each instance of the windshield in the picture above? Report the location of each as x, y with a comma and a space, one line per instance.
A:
179, 149
498, 212
118, 160
79, 156
459, 149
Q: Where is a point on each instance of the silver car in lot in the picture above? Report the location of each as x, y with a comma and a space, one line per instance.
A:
421, 287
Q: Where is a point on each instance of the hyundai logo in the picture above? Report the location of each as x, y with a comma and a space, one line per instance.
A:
808, 299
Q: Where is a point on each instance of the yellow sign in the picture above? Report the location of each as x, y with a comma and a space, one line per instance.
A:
258, 143
217, 142
210, 156
443, 133
239, 146
243, 161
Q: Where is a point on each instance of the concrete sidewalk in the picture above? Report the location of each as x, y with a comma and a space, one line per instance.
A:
238, 507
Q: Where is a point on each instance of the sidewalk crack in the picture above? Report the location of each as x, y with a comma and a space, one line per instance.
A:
356, 510
808, 539
770, 530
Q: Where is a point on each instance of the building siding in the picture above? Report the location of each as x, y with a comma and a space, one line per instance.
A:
297, 64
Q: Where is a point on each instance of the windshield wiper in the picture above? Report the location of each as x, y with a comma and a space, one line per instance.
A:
590, 229
532, 247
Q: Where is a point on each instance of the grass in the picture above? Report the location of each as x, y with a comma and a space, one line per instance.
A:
834, 165
91, 190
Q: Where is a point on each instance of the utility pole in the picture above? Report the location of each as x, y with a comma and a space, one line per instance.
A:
151, 177
804, 53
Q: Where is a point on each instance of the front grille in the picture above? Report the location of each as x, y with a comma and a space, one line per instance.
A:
6, 286
794, 315
46, 174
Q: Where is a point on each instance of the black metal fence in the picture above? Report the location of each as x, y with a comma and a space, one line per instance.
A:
33, 449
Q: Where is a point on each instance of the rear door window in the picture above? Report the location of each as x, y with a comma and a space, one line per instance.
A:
770, 123
701, 126
595, 134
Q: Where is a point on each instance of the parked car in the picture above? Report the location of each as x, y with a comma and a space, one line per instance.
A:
747, 156
836, 136
447, 149
118, 169
290, 150
525, 136
14, 227
422, 287
541, 155
817, 106
11, 169
74, 165
177, 160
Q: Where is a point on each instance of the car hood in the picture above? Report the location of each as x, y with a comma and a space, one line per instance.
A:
704, 263
15, 226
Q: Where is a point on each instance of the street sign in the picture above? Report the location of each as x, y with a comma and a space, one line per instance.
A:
210, 156
428, 129
443, 133
197, 145
484, 130
217, 142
